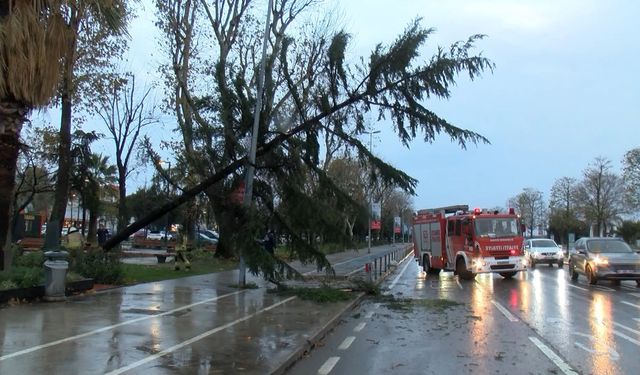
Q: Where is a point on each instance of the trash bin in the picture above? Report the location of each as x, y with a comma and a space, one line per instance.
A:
55, 273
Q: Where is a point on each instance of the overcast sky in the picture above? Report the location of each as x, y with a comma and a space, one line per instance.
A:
565, 90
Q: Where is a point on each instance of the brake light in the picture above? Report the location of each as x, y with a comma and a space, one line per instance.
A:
477, 211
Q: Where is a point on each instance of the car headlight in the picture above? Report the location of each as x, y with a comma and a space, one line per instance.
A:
600, 261
560, 253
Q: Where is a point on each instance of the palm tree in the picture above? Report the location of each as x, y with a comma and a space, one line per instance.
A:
100, 175
34, 36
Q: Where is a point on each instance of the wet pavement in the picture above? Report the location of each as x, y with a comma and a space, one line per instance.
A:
194, 325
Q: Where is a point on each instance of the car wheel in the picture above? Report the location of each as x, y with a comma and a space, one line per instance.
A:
425, 264
615, 282
572, 272
508, 275
560, 263
591, 276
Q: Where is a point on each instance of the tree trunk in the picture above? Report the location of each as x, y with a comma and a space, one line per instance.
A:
123, 216
61, 195
12, 116
93, 224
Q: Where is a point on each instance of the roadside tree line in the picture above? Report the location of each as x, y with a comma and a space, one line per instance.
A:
600, 203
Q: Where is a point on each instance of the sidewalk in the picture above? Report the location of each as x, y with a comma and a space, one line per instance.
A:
198, 324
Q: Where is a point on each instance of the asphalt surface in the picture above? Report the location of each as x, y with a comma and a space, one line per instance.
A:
537, 323
194, 325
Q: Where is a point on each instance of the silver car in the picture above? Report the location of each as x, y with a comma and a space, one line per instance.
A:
604, 258
543, 250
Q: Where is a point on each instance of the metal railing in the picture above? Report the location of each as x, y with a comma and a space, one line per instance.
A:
377, 268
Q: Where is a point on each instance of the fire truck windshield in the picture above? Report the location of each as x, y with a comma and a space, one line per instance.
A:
496, 227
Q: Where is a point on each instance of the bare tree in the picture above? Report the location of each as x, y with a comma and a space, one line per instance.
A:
600, 196
125, 112
631, 177
530, 204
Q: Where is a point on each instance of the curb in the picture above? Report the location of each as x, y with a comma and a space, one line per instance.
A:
322, 332
316, 337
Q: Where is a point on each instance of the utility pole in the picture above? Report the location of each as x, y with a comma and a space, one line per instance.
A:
248, 192
371, 133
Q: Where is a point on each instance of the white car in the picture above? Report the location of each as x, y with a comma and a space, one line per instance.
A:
155, 235
543, 250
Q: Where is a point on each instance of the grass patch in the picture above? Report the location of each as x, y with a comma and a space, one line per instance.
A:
138, 273
323, 294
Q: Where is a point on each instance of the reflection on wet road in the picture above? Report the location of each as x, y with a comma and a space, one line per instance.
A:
539, 322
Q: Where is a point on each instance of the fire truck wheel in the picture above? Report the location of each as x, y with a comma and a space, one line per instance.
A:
507, 275
461, 270
426, 265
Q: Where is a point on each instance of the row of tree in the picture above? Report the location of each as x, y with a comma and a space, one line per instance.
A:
597, 204
308, 101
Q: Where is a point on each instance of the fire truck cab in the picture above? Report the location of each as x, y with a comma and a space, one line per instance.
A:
469, 242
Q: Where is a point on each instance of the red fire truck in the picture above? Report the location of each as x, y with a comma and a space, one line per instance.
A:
468, 242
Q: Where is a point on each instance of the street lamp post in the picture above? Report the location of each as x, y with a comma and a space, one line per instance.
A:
166, 226
371, 133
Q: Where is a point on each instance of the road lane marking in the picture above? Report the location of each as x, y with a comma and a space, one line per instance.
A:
505, 312
359, 327
577, 287
107, 328
347, 343
195, 339
627, 328
635, 294
610, 352
631, 304
458, 282
628, 287
328, 366
562, 365
631, 340
400, 274
369, 315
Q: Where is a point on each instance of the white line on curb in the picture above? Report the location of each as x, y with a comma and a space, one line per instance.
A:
631, 304
195, 339
107, 328
347, 343
562, 365
399, 275
359, 327
505, 312
328, 366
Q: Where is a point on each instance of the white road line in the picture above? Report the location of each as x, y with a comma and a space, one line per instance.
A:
355, 271
627, 328
458, 282
107, 328
635, 294
577, 287
369, 315
562, 365
359, 327
399, 275
328, 366
195, 339
347, 343
631, 304
631, 340
628, 287
505, 312
636, 319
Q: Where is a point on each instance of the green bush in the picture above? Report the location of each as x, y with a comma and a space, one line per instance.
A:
103, 268
23, 277
31, 259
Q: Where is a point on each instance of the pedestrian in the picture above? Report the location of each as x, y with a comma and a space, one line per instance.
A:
103, 233
181, 251
269, 242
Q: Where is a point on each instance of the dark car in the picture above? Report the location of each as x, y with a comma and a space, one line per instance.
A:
604, 258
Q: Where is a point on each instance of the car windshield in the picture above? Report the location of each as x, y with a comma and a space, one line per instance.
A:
608, 246
496, 227
543, 243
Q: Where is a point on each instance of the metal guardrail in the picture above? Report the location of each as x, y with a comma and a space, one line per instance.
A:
381, 265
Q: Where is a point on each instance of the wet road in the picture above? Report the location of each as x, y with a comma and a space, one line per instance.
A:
537, 323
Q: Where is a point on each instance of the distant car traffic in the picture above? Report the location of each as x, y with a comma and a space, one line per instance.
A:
543, 250
604, 258
155, 235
